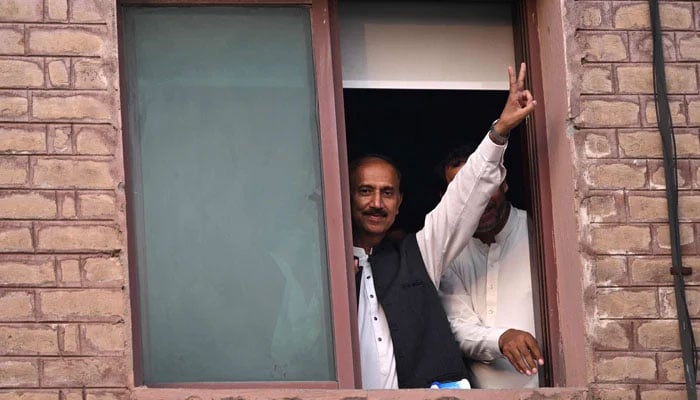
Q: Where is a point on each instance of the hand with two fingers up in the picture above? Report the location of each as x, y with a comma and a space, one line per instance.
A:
518, 105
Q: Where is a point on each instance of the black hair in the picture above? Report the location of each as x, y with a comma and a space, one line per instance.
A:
454, 158
356, 162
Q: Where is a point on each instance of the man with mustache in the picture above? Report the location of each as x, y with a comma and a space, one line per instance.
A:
487, 294
405, 338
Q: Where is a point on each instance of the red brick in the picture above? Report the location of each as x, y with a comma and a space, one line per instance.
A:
594, 14
657, 393
21, 73
613, 392
20, 10
67, 40
87, 372
11, 39
19, 372
677, 106
667, 302
655, 270
57, 10
16, 305
28, 340
597, 143
90, 11
71, 339
105, 338
660, 334
626, 367
14, 170
608, 207
58, 72
95, 139
27, 271
15, 237
27, 205
90, 74
615, 112
60, 139
620, 239
82, 304
72, 106
658, 179
24, 394
616, 175
662, 242
72, 173
610, 271
641, 46
104, 271
70, 272
688, 46
635, 15
14, 106
600, 47
66, 204
23, 138
81, 237
627, 303
612, 335
97, 205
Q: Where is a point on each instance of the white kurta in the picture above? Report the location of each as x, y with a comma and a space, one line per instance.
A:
486, 291
447, 230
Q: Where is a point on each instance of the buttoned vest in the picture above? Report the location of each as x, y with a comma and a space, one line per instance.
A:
424, 346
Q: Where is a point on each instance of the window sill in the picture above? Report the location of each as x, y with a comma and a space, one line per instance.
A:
146, 393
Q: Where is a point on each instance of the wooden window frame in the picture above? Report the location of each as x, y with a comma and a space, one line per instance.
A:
334, 179
328, 79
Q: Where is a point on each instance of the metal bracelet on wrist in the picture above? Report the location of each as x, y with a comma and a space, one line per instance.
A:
497, 135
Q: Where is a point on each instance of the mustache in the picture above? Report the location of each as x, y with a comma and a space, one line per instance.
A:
376, 212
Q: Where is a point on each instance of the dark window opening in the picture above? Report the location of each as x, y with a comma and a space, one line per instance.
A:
417, 128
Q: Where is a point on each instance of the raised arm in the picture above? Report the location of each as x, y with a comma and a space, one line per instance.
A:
449, 226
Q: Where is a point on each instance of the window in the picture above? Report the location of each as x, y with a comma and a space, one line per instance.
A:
228, 213
237, 193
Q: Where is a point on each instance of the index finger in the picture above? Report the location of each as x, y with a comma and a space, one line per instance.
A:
521, 77
534, 348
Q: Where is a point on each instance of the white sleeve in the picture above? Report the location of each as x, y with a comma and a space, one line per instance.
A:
477, 341
450, 225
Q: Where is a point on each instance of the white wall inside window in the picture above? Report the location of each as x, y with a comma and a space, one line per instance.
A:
426, 44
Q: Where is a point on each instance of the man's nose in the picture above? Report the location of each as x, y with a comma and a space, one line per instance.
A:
377, 200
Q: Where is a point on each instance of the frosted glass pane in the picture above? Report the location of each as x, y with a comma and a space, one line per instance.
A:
224, 152
426, 44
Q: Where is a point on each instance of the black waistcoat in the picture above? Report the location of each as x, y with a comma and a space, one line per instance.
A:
424, 346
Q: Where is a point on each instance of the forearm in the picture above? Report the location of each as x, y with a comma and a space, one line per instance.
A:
452, 223
477, 341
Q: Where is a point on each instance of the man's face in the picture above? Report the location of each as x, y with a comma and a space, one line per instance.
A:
496, 208
375, 198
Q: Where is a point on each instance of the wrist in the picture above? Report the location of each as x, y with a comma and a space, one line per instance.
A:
498, 133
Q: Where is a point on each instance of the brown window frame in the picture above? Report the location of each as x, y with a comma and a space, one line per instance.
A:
333, 158
327, 63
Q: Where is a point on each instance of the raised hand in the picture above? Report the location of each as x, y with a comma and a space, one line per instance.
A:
519, 104
521, 349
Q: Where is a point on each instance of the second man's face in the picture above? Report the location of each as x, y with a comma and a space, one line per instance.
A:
495, 209
375, 198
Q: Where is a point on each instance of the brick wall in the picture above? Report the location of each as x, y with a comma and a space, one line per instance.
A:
64, 305
64, 319
623, 228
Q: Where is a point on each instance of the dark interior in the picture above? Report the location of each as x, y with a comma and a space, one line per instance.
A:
417, 128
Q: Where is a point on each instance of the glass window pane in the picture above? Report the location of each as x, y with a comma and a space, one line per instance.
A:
228, 212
